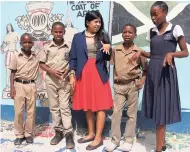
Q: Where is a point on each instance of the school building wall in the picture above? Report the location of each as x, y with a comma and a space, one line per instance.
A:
37, 17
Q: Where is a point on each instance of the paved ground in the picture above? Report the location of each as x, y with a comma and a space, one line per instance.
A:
43, 134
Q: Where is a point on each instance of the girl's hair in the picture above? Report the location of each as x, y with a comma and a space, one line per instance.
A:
131, 25
12, 29
162, 5
92, 15
58, 23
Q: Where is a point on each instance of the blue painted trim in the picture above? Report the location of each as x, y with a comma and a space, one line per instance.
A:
43, 115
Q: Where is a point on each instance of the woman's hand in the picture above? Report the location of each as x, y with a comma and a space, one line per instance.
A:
72, 81
106, 48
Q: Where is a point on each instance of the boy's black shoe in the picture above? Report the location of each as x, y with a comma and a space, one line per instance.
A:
57, 138
29, 140
69, 140
18, 141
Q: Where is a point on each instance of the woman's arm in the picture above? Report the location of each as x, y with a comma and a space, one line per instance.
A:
73, 55
106, 43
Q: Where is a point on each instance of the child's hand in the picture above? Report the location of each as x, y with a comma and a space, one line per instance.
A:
168, 60
56, 73
65, 74
139, 83
106, 48
13, 92
135, 57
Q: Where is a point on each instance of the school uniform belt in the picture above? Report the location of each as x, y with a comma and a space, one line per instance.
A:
24, 81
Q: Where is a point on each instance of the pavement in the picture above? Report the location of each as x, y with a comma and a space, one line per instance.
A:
144, 142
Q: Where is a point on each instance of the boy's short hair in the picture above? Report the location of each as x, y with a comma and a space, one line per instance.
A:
58, 23
26, 34
131, 25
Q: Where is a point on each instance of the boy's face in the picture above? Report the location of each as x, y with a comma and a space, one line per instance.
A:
128, 34
26, 43
58, 31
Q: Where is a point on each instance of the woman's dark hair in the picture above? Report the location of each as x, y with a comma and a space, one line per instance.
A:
162, 5
92, 15
12, 29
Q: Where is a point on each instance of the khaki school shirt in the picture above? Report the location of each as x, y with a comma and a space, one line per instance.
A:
56, 57
123, 70
26, 67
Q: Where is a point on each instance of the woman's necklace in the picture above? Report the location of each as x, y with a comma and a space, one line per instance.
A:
89, 35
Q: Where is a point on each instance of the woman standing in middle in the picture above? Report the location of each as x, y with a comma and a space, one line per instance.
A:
89, 76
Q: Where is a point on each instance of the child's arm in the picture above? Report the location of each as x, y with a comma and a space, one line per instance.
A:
12, 77
56, 73
183, 47
180, 54
140, 54
43, 59
13, 68
144, 66
145, 54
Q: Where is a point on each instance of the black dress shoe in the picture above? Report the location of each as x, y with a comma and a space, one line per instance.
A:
57, 138
83, 140
18, 141
90, 147
69, 140
29, 140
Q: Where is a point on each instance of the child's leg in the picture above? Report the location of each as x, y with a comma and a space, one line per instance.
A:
54, 106
119, 103
51, 88
19, 102
132, 106
64, 100
30, 109
160, 136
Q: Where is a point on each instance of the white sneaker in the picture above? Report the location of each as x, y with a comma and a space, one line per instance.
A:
110, 146
126, 146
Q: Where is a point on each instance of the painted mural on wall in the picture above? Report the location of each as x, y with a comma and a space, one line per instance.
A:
37, 18
8, 47
138, 14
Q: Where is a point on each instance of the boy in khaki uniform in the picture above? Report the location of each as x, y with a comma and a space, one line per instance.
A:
54, 60
128, 80
24, 67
